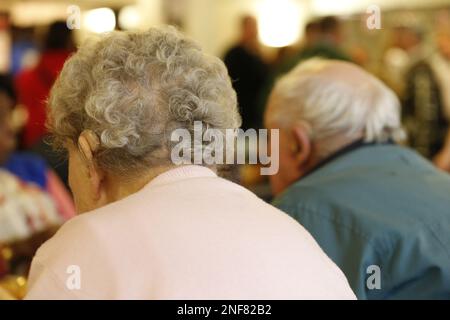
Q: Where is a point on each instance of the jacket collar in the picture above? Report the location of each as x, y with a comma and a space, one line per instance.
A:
181, 173
343, 151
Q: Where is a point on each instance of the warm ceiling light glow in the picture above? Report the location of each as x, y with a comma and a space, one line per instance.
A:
324, 7
279, 22
129, 18
100, 20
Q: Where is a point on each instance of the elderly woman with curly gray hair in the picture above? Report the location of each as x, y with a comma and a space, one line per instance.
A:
148, 228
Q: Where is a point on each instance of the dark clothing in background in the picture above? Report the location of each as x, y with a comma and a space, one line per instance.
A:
320, 50
423, 111
248, 73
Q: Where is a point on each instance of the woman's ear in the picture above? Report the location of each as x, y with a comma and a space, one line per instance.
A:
88, 144
302, 145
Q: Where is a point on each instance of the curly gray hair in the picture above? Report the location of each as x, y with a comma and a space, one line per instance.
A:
132, 89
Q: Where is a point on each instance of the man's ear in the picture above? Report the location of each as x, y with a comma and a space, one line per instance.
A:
88, 144
301, 144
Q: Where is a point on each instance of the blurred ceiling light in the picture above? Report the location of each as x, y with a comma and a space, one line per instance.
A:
279, 22
129, 18
99, 20
323, 7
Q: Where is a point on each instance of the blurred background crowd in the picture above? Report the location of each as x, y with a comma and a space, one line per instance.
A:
259, 40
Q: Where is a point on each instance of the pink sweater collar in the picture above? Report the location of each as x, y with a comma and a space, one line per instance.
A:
181, 173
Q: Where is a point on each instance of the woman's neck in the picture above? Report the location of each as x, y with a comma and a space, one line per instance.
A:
120, 187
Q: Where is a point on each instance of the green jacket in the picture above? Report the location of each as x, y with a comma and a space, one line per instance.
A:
383, 206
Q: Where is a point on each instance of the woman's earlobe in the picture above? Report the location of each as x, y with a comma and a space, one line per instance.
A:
88, 144
96, 178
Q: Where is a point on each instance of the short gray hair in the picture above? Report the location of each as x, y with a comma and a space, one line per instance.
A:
133, 89
336, 98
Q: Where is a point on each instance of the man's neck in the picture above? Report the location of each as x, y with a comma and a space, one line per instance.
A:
339, 147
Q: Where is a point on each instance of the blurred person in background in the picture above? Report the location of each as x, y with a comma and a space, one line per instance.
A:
286, 57
323, 38
33, 202
159, 230
248, 71
405, 51
368, 202
25, 209
330, 41
426, 105
33, 85
312, 34
31, 195
25, 49
3, 263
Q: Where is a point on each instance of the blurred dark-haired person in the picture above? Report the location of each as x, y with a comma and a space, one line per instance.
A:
151, 227
25, 171
249, 73
33, 85
328, 44
379, 210
312, 34
426, 107
323, 38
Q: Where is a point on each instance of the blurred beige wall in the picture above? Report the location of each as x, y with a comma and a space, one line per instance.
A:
213, 23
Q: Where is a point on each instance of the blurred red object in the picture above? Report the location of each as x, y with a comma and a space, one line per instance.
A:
3, 264
33, 87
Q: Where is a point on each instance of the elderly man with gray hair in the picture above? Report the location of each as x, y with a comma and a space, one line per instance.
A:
151, 229
379, 210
